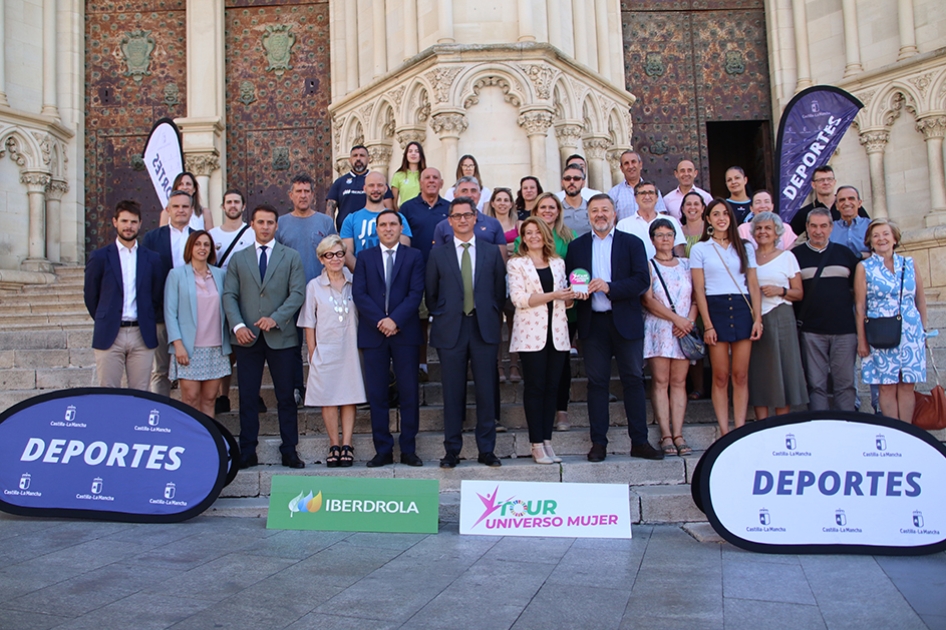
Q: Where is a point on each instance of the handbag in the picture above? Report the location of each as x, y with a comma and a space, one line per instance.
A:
930, 410
884, 332
691, 344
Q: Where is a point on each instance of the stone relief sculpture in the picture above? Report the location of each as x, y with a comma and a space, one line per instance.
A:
136, 48
277, 42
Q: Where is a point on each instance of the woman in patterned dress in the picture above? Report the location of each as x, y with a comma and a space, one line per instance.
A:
877, 293
662, 327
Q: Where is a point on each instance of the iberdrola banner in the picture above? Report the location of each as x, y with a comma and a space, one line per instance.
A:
164, 157
811, 128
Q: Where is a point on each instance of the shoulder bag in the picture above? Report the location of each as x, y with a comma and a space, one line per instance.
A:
884, 332
691, 344
733, 278
232, 245
930, 410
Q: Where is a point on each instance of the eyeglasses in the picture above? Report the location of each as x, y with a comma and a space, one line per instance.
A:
646, 193
328, 255
664, 235
463, 216
823, 180
570, 178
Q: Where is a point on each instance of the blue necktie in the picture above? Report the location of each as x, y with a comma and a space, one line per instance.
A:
262, 263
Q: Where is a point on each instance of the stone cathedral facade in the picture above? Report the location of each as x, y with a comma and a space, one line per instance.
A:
265, 89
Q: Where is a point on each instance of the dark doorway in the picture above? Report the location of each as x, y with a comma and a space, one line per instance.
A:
745, 143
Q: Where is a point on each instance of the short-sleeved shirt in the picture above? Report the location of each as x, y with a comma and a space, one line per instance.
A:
348, 191
741, 210
640, 227
407, 184
625, 202
851, 236
360, 227
576, 218
777, 272
304, 234
486, 228
830, 302
222, 241
423, 220
674, 200
717, 280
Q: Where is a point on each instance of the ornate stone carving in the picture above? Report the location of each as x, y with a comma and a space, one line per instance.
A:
387, 129
449, 124
541, 77
57, 188
342, 166
932, 127
660, 147
508, 95
595, 147
568, 135
866, 97
397, 94
922, 82
16, 153
614, 158
735, 63
35, 181
137, 162
281, 159
410, 134
654, 65
423, 106
337, 125
874, 141
247, 92
535, 122
44, 146
366, 111
203, 164
440, 80
172, 95
379, 154
136, 48
277, 42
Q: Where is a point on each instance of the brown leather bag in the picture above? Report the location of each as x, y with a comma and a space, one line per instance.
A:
930, 410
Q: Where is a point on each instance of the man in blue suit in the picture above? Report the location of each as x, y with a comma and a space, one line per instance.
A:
168, 243
122, 295
611, 323
387, 287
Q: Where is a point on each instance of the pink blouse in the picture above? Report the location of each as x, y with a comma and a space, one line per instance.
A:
209, 325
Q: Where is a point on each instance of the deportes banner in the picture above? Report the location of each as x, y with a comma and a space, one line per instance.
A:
568, 510
826, 482
110, 454
810, 130
164, 157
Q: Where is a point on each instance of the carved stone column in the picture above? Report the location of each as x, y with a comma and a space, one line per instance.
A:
57, 188
614, 162
536, 124
852, 45
448, 126
802, 55
37, 183
875, 142
410, 133
933, 129
50, 100
907, 29
379, 157
568, 134
3, 82
202, 165
595, 148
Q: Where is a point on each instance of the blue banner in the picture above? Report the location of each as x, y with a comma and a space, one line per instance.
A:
110, 454
810, 130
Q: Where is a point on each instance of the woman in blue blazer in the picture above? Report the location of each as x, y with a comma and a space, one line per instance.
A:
198, 339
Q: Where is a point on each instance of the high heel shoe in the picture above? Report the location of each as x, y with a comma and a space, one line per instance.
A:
514, 375
547, 444
539, 454
502, 372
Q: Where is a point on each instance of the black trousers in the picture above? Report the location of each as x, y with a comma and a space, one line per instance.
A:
565, 382
249, 379
377, 376
541, 373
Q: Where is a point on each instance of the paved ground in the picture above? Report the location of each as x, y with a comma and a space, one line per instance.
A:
234, 573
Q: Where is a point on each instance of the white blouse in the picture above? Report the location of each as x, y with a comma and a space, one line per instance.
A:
777, 272
717, 280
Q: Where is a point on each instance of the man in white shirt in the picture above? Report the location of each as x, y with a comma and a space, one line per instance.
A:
685, 174
623, 195
235, 234
638, 223
586, 193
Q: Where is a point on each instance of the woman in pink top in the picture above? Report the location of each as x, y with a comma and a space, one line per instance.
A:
199, 342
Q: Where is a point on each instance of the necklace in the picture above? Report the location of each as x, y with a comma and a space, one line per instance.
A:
663, 259
341, 304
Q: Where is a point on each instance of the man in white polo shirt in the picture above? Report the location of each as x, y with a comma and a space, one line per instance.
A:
638, 223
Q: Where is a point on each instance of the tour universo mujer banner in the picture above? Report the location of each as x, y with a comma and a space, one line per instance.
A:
109, 454
826, 482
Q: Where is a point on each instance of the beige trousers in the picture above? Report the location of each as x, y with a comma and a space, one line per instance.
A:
162, 361
128, 354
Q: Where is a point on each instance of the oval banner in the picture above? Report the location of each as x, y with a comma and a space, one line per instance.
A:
826, 482
109, 454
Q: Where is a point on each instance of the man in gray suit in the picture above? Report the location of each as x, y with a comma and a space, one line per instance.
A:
466, 290
264, 288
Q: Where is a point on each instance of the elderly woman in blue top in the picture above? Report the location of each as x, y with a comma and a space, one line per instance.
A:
197, 335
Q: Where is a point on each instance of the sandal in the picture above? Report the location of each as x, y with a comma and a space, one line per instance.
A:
348, 456
695, 395
333, 457
682, 449
668, 449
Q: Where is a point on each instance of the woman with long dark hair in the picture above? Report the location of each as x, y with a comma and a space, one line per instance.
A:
529, 190
468, 167
200, 220
405, 184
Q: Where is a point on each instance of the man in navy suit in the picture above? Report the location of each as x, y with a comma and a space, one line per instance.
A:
387, 288
611, 323
122, 296
168, 243
465, 291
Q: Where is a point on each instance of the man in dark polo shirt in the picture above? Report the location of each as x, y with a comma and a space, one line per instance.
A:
826, 314
822, 184
347, 193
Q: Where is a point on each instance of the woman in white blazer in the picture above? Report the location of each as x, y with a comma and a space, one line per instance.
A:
198, 339
539, 290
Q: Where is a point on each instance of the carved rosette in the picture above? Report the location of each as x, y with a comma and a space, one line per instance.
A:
874, 141
932, 127
410, 134
202, 164
568, 135
536, 122
449, 124
595, 147
36, 182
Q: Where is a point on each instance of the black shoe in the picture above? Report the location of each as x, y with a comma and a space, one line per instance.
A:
249, 460
381, 459
450, 460
347, 458
222, 404
489, 459
597, 453
646, 451
411, 459
292, 460
261, 405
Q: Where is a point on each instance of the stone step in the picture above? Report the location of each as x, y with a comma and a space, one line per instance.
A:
55, 295
71, 286
52, 309
55, 358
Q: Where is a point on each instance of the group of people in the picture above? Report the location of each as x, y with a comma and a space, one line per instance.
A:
385, 268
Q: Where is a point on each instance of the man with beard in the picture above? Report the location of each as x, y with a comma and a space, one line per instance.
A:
574, 205
358, 231
347, 193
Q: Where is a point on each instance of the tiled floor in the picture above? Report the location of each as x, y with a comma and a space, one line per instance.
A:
234, 573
